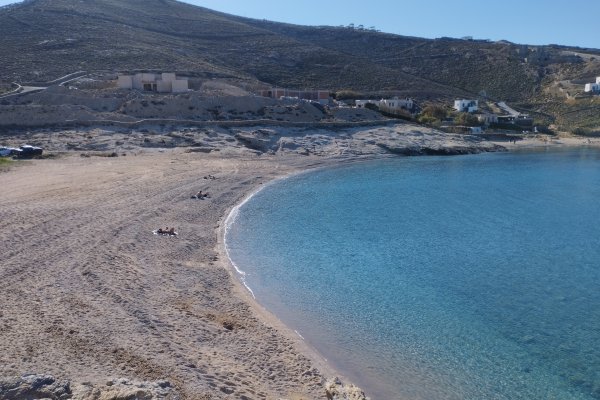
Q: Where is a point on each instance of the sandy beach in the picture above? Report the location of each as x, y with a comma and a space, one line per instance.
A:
92, 296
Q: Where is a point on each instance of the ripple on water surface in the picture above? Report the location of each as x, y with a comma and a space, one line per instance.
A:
457, 278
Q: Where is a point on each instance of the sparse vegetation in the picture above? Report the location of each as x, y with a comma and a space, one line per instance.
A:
5, 163
435, 112
466, 119
354, 62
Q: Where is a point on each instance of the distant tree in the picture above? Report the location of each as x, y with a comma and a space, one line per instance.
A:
581, 131
466, 119
372, 106
435, 111
428, 120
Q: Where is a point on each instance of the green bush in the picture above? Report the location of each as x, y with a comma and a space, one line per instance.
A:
5, 162
427, 119
582, 131
435, 111
467, 119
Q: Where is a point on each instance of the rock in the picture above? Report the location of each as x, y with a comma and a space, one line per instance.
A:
336, 390
164, 384
253, 142
35, 386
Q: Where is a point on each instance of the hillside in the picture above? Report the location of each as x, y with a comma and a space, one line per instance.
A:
46, 39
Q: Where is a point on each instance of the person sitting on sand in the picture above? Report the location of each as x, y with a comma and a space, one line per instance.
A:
160, 231
171, 231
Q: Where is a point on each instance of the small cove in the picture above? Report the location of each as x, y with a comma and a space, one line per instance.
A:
438, 277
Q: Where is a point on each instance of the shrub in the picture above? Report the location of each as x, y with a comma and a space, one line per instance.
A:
435, 111
427, 119
467, 119
581, 131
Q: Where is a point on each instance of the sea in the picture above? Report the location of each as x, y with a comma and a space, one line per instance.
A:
462, 277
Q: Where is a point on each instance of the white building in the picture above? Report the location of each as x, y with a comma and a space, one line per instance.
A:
487, 118
162, 83
391, 104
363, 103
593, 87
396, 103
466, 105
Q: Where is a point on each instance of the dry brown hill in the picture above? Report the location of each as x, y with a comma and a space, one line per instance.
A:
45, 39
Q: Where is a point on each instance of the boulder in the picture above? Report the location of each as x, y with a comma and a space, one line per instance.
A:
32, 386
336, 390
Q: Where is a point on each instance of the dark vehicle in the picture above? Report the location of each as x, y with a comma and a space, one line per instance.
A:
27, 151
9, 151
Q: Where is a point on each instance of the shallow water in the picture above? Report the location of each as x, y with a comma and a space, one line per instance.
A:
463, 277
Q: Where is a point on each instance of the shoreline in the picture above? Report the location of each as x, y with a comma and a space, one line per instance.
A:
530, 144
81, 253
526, 146
238, 274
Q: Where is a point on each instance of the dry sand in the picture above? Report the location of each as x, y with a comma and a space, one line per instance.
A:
90, 294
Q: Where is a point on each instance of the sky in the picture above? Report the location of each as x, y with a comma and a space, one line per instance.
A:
538, 22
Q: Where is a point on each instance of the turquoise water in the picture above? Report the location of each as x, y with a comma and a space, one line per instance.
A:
467, 277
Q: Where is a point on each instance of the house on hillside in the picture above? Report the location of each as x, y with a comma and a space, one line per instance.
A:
463, 105
397, 104
593, 87
393, 104
363, 103
487, 118
161, 83
321, 96
522, 120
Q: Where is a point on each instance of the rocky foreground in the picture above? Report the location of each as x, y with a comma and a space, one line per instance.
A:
376, 139
33, 386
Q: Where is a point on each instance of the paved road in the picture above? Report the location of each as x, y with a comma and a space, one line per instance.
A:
509, 110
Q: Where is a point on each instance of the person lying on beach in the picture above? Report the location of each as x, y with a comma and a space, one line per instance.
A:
200, 195
166, 231
210, 177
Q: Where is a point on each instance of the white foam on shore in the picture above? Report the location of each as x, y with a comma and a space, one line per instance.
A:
229, 221
235, 211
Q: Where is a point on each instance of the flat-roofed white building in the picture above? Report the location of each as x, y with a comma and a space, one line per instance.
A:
487, 118
363, 103
125, 82
463, 105
161, 83
396, 103
391, 104
593, 87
